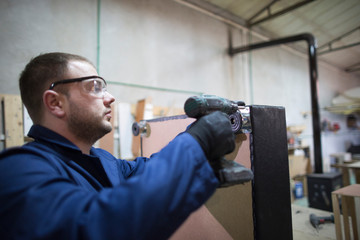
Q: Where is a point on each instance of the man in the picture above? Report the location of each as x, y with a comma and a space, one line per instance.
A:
60, 187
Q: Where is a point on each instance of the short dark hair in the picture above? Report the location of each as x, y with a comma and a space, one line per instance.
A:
37, 76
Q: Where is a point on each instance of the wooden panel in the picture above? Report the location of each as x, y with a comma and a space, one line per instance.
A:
351, 190
347, 195
201, 225
228, 213
336, 210
13, 120
162, 133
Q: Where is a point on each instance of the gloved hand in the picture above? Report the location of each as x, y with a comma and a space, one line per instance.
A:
214, 134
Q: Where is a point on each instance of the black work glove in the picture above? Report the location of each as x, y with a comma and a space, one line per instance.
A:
214, 134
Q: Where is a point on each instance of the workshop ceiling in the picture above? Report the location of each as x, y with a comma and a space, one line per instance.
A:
335, 24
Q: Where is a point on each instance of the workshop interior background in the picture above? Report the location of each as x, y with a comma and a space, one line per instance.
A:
167, 50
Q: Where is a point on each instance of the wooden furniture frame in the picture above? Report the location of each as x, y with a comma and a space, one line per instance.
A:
349, 218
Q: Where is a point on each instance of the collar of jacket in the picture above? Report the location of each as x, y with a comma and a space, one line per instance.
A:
68, 152
38, 132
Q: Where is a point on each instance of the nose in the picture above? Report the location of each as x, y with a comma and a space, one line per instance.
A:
108, 98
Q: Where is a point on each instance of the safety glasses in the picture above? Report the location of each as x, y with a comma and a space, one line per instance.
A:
93, 85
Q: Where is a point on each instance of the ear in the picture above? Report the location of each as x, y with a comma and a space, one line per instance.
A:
54, 103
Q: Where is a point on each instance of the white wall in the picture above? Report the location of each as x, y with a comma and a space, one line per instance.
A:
28, 28
164, 44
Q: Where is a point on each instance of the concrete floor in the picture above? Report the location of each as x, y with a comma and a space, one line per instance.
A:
302, 228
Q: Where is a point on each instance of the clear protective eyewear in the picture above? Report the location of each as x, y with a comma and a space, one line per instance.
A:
93, 85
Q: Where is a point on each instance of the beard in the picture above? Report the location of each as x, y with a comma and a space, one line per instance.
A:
87, 126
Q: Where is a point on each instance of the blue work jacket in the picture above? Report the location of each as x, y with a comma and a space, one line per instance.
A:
45, 194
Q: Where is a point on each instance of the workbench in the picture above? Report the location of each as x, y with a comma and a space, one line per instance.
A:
345, 170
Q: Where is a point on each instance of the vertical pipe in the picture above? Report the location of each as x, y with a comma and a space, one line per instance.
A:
313, 85
315, 103
251, 73
98, 37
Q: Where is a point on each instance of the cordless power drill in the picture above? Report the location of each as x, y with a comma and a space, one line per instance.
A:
228, 172
316, 220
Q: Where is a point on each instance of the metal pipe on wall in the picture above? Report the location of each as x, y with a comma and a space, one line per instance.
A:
98, 12
309, 38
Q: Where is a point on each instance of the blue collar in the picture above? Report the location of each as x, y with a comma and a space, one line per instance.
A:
38, 132
69, 152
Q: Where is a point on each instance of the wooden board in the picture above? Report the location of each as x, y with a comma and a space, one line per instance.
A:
13, 120
228, 213
347, 224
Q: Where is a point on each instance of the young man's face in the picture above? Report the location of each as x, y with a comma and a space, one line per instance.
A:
88, 115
